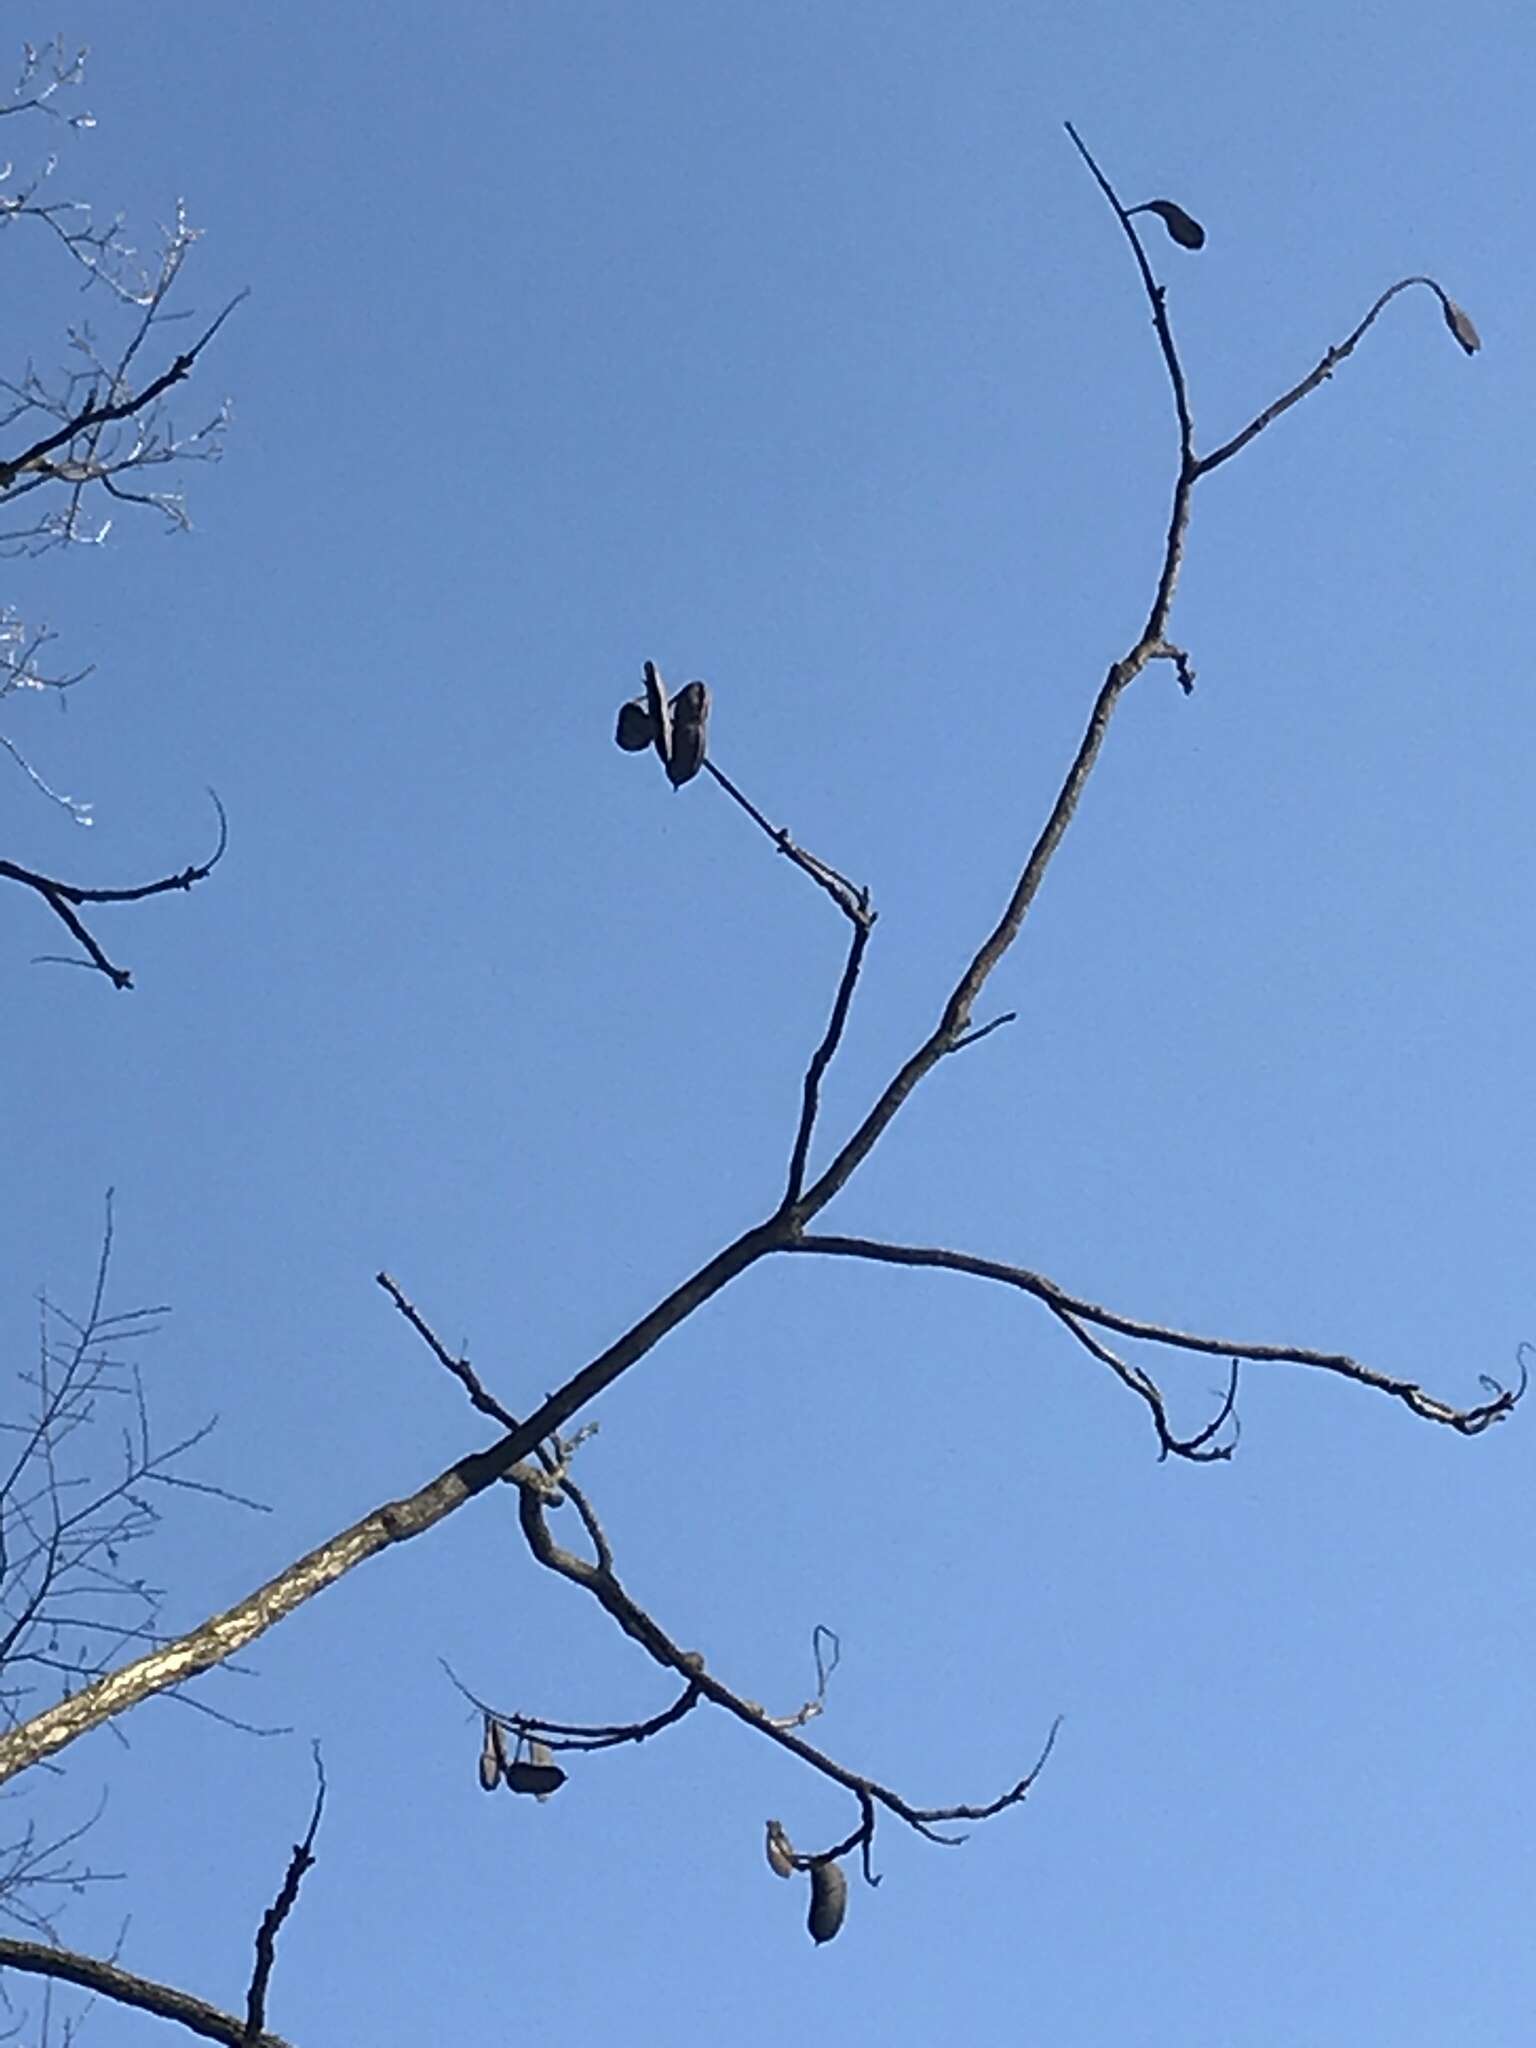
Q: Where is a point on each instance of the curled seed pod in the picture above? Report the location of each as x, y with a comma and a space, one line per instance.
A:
781, 1851
1182, 226
829, 1901
637, 728
1461, 326
539, 1780
493, 1757
690, 721
661, 713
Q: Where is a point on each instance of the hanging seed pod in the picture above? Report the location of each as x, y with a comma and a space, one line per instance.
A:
661, 713
637, 728
536, 1779
1461, 326
781, 1851
1182, 226
829, 1901
540, 1755
690, 720
493, 1757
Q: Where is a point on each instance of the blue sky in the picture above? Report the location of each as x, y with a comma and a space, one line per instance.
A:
793, 348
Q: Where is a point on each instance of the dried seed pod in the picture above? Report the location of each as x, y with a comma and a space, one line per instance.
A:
690, 720
781, 1851
1182, 226
661, 713
1461, 326
539, 1753
637, 728
537, 1779
493, 1757
829, 1901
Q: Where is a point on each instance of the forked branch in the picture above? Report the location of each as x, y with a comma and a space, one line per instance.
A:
65, 900
1078, 1314
784, 1229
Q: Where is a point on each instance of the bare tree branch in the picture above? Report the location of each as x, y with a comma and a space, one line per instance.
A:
95, 414
1455, 319
398, 1521
821, 1059
460, 1367
602, 1582
1074, 1310
850, 899
143, 1994
302, 1860
62, 897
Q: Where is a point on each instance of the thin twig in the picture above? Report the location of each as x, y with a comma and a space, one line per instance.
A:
460, 1367
850, 899
1324, 370
302, 1860
1073, 1310
94, 415
603, 1584
821, 1059
62, 897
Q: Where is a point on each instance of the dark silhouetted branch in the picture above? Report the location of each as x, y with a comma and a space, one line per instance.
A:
600, 1580
143, 1994
64, 899
302, 1860
1074, 1312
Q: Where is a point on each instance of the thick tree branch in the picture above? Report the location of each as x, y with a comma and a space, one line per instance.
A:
223, 1635
106, 1980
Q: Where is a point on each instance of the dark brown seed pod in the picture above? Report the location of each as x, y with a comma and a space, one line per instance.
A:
637, 728
493, 1757
538, 1780
1461, 326
1182, 226
661, 713
781, 1851
690, 721
829, 1901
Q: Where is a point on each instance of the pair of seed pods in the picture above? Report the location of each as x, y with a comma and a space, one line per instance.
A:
675, 728
535, 1773
829, 1887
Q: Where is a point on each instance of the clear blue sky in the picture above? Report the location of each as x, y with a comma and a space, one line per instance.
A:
792, 347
